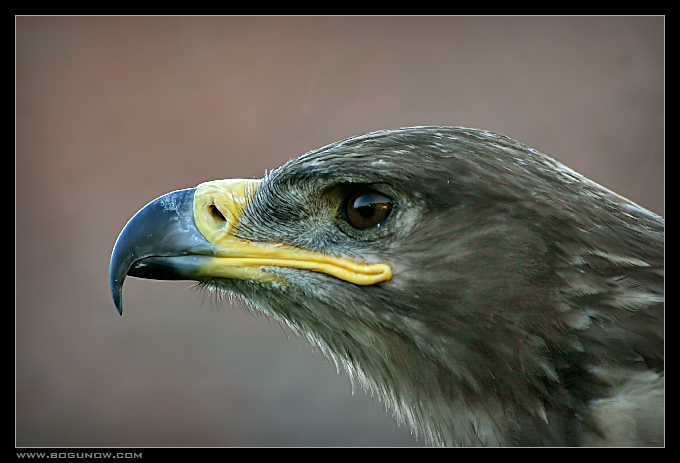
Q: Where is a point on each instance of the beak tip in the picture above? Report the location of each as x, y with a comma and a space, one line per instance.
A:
117, 293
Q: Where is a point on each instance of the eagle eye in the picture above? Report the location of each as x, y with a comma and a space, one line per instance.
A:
367, 208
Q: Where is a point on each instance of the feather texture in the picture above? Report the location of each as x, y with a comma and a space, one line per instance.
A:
526, 306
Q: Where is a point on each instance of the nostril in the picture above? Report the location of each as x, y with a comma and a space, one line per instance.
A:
216, 214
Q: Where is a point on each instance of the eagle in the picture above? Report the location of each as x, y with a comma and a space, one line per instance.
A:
486, 293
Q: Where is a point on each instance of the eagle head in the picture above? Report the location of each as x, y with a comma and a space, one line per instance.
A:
486, 293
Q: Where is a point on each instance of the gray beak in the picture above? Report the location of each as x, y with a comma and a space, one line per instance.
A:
160, 242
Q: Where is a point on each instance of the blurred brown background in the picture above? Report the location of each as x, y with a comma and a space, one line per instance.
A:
112, 112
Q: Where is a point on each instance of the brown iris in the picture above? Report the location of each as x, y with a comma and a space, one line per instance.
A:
367, 208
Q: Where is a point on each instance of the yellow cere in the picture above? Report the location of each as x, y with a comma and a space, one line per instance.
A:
217, 208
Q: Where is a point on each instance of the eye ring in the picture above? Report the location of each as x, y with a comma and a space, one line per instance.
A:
367, 208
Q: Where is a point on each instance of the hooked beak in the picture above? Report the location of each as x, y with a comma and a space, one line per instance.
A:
189, 235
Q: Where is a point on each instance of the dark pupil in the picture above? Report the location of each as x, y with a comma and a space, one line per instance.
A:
366, 210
